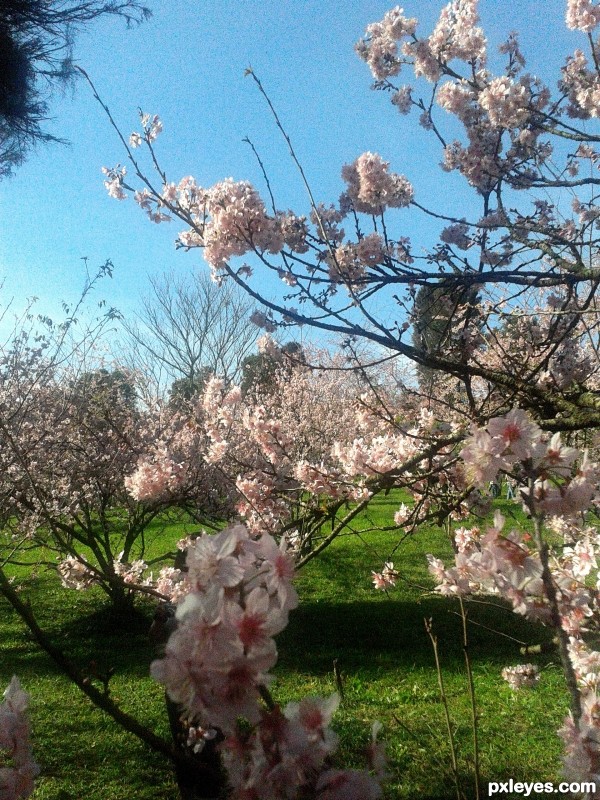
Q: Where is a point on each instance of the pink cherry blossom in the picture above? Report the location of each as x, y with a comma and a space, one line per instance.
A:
379, 48
516, 432
211, 561
372, 187
17, 780
523, 675
583, 15
506, 103
74, 574
386, 579
257, 621
114, 182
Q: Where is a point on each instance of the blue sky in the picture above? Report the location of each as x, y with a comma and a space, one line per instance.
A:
187, 65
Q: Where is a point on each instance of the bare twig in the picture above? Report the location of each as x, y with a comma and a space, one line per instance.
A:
444, 699
471, 683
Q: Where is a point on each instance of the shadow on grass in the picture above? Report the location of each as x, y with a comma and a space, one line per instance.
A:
369, 635
99, 635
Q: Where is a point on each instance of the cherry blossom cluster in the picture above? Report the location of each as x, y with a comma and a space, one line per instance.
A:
583, 15
74, 574
238, 223
376, 455
379, 48
522, 675
158, 478
129, 573
371, 186
350, 261
566, 358
549, 341
151, 127
562, 480
114, 181
506, 102
456, 36
229, 220
386, 579
237, 593
177, 464
582, 739
286, 755
484, 103
503, 564
17, 766
581, 84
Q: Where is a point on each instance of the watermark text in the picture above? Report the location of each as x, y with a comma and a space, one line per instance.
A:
539, 787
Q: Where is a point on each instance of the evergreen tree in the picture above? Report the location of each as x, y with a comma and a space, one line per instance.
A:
36, 44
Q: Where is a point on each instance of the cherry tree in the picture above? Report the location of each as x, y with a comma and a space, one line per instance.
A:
70, 438
187, 329
557, 587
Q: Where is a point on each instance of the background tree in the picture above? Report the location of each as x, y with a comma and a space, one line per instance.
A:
438, 316
103, 388
71, 433
188, 328
184, 389
260, 370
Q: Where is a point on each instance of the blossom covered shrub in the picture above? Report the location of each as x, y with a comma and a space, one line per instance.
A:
69, 440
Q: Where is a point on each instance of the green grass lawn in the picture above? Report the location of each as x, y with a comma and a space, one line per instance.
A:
379, 643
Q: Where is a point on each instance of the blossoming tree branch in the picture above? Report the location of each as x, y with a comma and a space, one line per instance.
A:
523, 151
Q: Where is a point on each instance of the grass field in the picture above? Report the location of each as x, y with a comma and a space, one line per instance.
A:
379, 643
